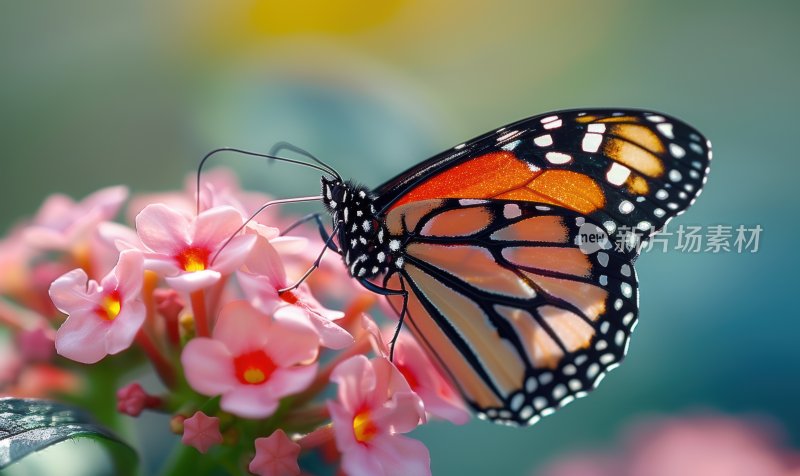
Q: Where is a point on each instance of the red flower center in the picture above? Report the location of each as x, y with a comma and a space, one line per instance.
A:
364, 428
193, 258
254, 367
111, 306
289, 297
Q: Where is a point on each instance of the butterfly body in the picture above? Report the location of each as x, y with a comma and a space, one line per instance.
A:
499, 254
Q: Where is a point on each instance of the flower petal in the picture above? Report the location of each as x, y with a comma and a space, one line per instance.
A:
355, 378
214, 226
234, 254
360, 461
208, 366
249, 401
400, 456
284, 382
292, 339
241, 328
194, 281
68, 292
402, 414
82, 338
162, 229
125, 326
128, 274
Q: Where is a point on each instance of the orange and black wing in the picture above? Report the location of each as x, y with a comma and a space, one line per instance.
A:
504, 288
511, 307
623, 168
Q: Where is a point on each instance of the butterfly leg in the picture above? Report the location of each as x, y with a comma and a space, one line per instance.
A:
391, 292
328, 245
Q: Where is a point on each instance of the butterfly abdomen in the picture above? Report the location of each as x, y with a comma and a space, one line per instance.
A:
364, 242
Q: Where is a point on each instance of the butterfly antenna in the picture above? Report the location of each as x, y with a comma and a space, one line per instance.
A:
283, 145
325, 169
261, 209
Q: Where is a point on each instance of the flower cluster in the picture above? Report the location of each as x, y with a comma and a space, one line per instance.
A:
248, 358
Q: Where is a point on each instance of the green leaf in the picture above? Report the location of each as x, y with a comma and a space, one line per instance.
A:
29, 425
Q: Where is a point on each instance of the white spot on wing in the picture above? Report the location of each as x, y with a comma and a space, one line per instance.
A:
676, 151
617, 174
558, 158
666, 129
591, 142
543, 140
511, 145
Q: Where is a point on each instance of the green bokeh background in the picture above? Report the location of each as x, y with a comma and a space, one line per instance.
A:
101, 93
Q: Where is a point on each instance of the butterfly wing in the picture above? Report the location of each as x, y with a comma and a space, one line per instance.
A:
504, 290
508, 304
623, 168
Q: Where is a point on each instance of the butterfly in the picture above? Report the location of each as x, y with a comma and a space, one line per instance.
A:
510, 257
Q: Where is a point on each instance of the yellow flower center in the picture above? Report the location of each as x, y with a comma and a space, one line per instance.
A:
111, 306
363, 427
254, 375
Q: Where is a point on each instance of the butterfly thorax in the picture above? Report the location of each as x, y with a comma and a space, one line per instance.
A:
363, 239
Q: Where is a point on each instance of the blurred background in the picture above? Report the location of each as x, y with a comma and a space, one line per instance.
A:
101, 93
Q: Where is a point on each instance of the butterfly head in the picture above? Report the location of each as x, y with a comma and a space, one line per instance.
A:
363, 239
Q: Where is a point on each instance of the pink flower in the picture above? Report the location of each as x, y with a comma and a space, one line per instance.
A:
36, 344
265, 275
252, 360
185, 249
688, 446
423, 377
376, 405
276, 455
62, 223
132, 399
102, 318
201, 431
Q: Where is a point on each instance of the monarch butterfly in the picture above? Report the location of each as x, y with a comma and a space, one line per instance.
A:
497, 254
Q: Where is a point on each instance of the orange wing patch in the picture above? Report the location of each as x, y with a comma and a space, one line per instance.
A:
474, 265
548, 228
502, 175
458, 222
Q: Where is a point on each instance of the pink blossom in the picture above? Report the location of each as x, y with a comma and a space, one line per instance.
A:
189, 251
251, 360
424, 378
688, 446
103, 318
276, 455
376, 405
62, 223
36, 344
201, 431
132, 399
265, 275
